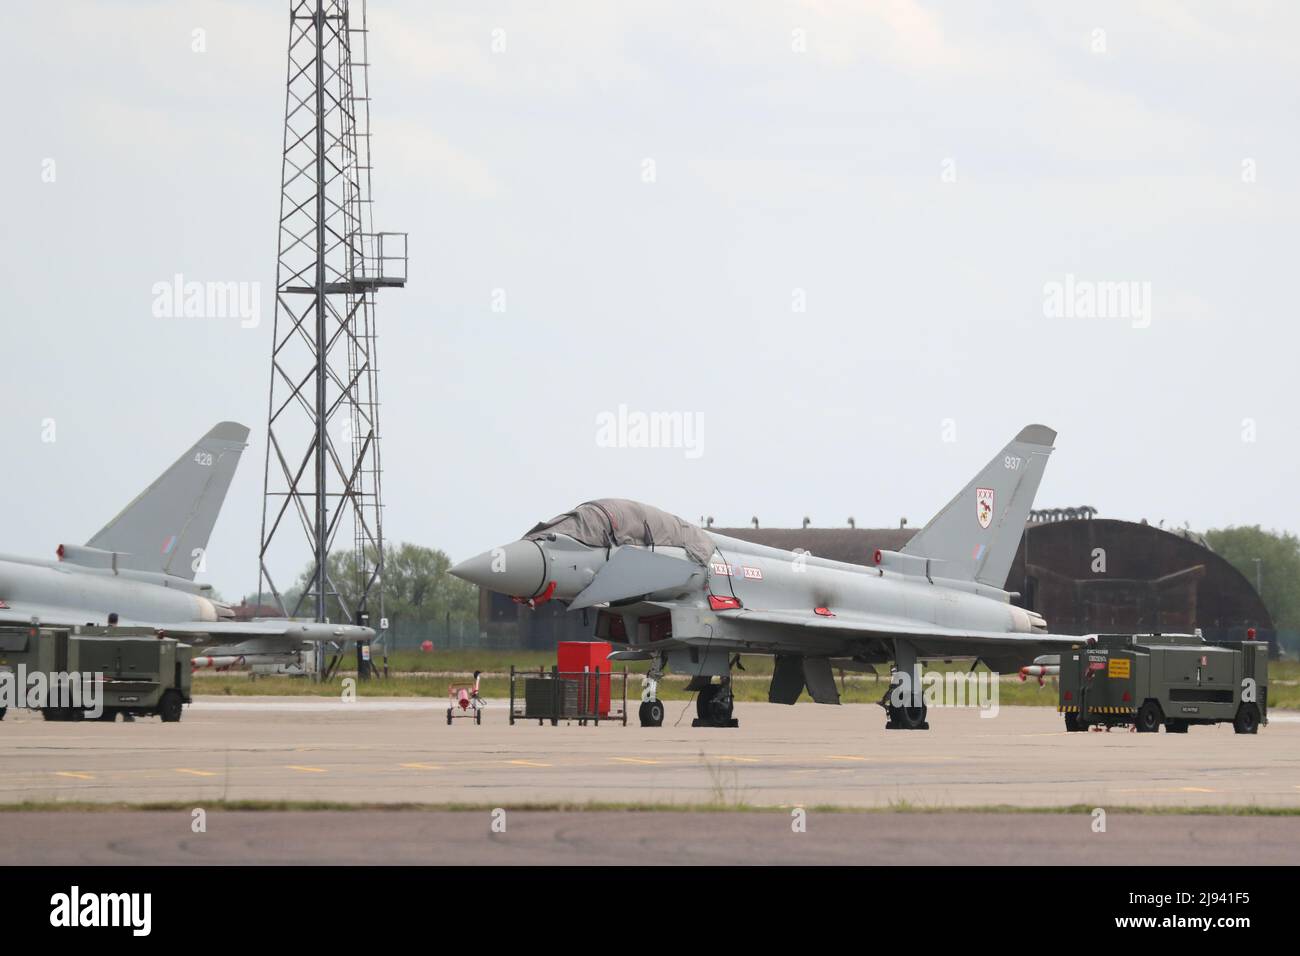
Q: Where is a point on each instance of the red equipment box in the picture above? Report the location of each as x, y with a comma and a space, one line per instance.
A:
574, 657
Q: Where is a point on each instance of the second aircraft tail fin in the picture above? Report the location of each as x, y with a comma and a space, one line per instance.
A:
166, 528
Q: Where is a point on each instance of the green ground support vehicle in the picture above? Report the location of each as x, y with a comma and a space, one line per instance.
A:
142, 674
1174, 680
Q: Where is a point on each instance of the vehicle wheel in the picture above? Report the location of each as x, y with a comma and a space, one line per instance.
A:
169, 708
1149, 718
1073, 724
108, 716
1247, 719
1176, 726
652, 713
3, 711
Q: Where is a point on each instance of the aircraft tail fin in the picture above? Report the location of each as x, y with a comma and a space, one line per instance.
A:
977, 533
166, 528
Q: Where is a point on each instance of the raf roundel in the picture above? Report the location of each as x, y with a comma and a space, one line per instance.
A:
984, 506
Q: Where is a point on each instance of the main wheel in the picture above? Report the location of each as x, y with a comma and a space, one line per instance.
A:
1149, 718
908, 718
169, 708
1247, 719
478, 716
448, 716
1073, 724
3, 711
652, 713
704, 702
1176, 726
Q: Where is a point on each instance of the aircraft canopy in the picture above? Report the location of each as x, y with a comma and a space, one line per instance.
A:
606, 522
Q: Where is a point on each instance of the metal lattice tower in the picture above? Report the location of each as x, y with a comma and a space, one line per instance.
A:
322, 457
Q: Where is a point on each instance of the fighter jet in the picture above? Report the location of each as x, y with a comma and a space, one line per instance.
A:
690, 600
139, 569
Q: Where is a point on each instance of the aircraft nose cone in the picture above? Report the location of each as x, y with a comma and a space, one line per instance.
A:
517, 569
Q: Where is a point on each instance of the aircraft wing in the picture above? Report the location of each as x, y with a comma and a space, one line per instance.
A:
228, 632
931, 640
202, 632
22, 613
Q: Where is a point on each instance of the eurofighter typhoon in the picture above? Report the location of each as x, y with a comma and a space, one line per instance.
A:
685, 598
139, 569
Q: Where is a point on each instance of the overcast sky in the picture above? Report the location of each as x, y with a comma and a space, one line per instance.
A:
826, 233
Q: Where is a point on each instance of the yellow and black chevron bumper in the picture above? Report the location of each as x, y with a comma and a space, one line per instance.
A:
1074, 709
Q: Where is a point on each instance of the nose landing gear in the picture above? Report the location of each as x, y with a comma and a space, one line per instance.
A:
652, 708
652, 713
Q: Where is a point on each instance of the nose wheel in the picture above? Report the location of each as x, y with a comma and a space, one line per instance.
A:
652, 713
652, 708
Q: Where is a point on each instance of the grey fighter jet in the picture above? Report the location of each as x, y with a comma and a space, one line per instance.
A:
685, 598
139, 569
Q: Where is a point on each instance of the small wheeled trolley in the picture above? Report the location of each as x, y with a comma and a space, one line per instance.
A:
464, 702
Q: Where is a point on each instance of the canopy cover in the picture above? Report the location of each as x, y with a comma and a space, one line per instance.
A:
606, 522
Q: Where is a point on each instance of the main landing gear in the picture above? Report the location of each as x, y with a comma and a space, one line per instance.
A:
903, 702
905, 718
714, 704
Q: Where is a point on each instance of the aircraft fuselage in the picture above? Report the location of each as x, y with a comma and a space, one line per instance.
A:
68, 594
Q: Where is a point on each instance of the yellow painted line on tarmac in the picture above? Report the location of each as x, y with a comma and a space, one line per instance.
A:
642, 760
527, 763
196, 773
739, 759
77, 776
303, 769
421, 766
845, 757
